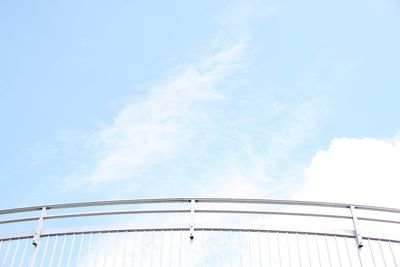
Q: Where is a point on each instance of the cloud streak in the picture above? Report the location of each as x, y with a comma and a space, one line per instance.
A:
206, 130
154, 128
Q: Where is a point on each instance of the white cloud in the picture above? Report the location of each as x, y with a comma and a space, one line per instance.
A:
363, 171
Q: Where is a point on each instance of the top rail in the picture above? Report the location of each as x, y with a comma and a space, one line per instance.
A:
197, 200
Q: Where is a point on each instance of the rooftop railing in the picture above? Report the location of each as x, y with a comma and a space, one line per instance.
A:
194, 231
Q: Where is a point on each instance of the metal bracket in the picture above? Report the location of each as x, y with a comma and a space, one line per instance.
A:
356, 227
39, 228
191, 229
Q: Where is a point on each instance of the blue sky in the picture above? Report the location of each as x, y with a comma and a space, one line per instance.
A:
267, 99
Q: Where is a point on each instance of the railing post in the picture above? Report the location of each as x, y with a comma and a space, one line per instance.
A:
192, 202
39, 227
356, 228
358, 236
37, 235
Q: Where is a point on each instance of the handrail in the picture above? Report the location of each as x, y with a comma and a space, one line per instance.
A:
193, 209
197, 200
197, 210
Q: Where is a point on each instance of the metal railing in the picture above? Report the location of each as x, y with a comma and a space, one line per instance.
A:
200, 232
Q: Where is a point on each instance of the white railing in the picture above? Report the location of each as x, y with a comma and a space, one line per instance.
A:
200, 232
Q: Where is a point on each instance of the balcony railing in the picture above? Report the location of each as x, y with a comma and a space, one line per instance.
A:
200, 232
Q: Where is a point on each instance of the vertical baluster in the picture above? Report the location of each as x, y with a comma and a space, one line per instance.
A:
62, 251
348, 251
23, 253
288, 248
44, 251
318, 252
15, 252
78, 259
70, 250
54, 251
338, 252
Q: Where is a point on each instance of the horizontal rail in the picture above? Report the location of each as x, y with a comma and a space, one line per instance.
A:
128, 212
95, 204
185, 227
21, 219
116, 212
197, 200
340, 216
378, 220
256, 212
191, 208
216, 211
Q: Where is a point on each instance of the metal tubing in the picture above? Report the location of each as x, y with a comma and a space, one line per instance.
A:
161, 247
230, 248
54, 251
269, 250
259, 248
308, 252
6, 254
255, 212
89, 247
372, 253
14, 239
96, 248
318, 252
124, 248
356, 227
288, 248
142, 249
62, 251
21, 262
391, 251
240, 250
250, 258
170, 249
348, 251
202, 200
383, 255
338, 252
71, 250
15, 252
114, 249
44, 252
177, 227
329, 254
192, 202
80, 250
39, 228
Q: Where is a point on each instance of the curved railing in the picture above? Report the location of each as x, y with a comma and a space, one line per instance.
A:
277, 233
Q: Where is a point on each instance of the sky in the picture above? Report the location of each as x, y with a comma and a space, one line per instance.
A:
258, 99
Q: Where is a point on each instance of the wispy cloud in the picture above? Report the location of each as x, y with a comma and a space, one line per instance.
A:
199, 134
207, 129
153, 128
259, 167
